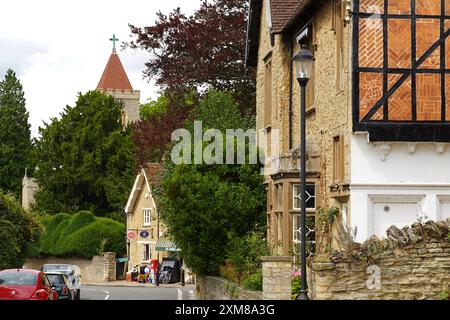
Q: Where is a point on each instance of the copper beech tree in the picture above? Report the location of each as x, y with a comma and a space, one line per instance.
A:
204, 49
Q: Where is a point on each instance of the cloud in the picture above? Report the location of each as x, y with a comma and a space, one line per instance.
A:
60, 48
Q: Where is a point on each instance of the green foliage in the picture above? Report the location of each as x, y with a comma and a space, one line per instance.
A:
245, 251
254, 281
154, 108
203, 204
295, 287
244, 264
218, 110
85, 159
15, 140
18, 231
81, 235
328, 216
445, 295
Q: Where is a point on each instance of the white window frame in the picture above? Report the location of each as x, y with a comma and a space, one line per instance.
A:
147, 219
294, 197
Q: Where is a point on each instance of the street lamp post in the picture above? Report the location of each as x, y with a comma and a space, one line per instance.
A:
303, 61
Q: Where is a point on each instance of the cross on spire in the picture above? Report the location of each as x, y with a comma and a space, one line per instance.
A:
114, 39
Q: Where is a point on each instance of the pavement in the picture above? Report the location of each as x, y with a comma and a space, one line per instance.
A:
123, 283
124, 290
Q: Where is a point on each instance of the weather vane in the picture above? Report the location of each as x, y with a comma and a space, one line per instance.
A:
114, 39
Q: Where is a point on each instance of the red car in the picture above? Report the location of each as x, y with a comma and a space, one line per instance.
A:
25, 284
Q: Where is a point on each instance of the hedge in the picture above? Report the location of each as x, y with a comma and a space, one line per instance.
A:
80, 235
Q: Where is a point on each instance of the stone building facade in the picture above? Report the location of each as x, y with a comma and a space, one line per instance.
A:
374, 109
143, 226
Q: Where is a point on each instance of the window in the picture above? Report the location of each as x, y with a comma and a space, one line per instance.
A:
310, 197
310, 233
146, 252
338, 159
310, 218
147, 217
268, 91
279, 196
279, 232
338, 27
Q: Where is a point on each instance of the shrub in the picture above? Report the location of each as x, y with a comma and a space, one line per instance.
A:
245, 251
253, 282
95, 238
80, 235
18, 232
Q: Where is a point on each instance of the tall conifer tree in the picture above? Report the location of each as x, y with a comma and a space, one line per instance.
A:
15, 135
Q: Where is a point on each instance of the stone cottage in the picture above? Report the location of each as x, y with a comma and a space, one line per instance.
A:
145, 231
377, 114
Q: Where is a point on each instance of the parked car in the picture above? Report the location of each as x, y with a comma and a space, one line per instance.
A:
72, 271
25, 284
61, 284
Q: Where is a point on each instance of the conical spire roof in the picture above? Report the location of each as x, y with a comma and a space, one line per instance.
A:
114, 77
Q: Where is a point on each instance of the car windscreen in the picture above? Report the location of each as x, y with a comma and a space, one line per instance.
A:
54, 267
55, 278
18, 279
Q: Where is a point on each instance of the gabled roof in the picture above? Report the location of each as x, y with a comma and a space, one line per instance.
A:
146, 178
283, 14
114, 76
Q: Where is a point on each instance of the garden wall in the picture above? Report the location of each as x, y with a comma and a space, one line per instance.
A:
97, 269
412, 263
215, 288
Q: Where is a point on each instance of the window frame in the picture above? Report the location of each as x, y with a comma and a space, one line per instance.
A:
295, 197
147, 222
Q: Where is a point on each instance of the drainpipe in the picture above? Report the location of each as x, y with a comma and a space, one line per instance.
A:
291, 66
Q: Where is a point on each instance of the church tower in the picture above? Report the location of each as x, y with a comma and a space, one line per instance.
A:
115, 82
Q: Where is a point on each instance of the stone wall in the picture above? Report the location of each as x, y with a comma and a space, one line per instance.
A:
276, 272
412, 263
215, 288
97, 269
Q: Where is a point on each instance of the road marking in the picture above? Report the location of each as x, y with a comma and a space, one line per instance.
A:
107, 294
191, 293
180, 294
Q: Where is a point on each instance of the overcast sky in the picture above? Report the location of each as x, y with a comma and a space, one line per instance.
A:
59, 48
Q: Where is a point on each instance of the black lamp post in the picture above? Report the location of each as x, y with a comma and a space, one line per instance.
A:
303, 61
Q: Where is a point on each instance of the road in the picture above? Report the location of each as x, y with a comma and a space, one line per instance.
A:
90, 292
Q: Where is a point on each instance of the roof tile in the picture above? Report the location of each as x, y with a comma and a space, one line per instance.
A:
114, 76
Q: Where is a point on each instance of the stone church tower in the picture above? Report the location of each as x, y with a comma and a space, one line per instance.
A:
29, 188
115, 82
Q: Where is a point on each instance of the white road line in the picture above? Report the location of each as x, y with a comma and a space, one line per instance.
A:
107, 294
180, 294
191, 293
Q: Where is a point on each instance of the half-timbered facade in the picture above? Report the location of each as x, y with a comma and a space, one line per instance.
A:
377, 111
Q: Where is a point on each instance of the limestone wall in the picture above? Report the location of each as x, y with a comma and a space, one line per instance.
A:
97, 269
413, 263
215, 288
276, 272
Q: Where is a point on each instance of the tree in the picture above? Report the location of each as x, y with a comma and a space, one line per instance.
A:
201, 50
86, 158
203, 205
152, 135
18, 232
15, 136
